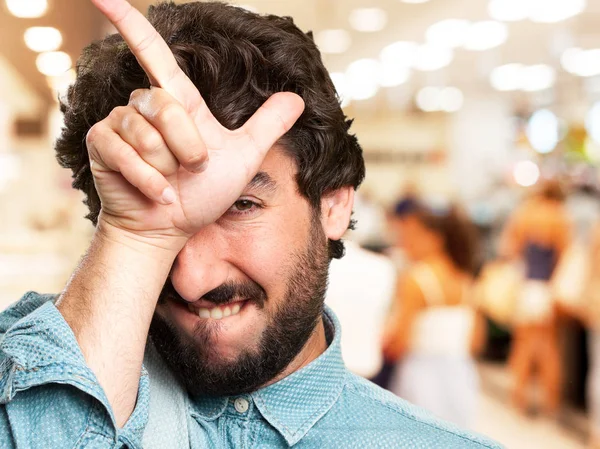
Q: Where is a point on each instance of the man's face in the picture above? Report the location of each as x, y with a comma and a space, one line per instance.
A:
247, 291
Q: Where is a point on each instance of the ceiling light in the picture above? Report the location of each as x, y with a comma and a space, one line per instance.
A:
43, 38
537, 77
451, 99
507, 77
400, 53
526, 173
543, 131
589, 63
341, 86
428, 99
362, 79
508, 10
333, 41
449, 33
519, 77
448, 99
368, 20
545, 11
53, 63
27, 9
431, 57
571, 59
485, 35
581, 62
552, 11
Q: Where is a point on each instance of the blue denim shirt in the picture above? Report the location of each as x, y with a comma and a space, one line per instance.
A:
49, 398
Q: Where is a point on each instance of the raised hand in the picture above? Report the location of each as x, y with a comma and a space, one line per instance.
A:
163, 165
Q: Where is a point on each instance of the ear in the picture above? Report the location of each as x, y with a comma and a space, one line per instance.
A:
336, 209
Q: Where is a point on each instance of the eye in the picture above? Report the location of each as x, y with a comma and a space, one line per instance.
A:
244, 207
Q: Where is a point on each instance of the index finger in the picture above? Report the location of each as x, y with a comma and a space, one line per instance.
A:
151, 51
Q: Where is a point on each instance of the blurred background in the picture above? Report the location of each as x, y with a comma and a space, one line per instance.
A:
485, 112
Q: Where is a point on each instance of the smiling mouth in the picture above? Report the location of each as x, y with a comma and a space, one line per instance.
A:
218, 312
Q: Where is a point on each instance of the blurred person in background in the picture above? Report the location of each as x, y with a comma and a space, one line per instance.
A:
537, 233
434, 330
399, 220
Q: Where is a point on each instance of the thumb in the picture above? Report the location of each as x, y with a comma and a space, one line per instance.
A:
273, 119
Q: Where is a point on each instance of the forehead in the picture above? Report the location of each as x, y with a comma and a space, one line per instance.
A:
279, 166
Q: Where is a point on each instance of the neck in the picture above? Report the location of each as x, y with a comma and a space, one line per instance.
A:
314, 347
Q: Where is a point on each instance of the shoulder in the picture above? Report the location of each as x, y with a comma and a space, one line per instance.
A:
20, 309
379, 409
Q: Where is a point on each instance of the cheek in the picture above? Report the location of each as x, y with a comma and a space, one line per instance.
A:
265, 252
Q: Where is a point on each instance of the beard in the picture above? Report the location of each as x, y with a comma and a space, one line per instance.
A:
287, 330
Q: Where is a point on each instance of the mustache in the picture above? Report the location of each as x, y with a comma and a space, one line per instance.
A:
223, 294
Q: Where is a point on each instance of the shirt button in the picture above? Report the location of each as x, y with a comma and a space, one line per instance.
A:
241, 405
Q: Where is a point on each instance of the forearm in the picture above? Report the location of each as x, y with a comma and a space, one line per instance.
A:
109, 303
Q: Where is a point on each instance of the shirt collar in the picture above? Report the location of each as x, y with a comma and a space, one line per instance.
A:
295, 404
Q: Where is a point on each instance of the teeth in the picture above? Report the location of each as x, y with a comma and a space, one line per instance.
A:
216, 313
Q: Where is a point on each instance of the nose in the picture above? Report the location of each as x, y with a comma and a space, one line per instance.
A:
203, 264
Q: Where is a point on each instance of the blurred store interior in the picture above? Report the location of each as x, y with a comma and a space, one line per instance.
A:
476, 103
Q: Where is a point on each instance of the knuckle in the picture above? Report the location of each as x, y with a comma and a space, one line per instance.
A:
170, 113
117, 113
137, 95
150, 142
92, 134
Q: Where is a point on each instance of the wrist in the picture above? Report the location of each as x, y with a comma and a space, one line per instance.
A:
162, 245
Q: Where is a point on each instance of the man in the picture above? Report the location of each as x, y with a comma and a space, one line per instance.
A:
220, 191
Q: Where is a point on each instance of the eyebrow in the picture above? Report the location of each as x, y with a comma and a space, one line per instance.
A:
262, 181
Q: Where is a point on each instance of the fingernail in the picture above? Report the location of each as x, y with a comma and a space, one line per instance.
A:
169, 196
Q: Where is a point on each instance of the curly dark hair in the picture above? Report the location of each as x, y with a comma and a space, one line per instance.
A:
237, 59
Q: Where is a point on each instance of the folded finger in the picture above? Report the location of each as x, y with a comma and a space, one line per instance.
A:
108, 149
174, 124
147, 141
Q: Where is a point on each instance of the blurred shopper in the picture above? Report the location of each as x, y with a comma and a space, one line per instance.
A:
434, 330
538, 234
358, 275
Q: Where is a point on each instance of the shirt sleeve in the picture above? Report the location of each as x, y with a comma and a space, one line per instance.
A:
48, 395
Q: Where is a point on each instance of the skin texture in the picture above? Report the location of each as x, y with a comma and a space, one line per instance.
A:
170, 178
